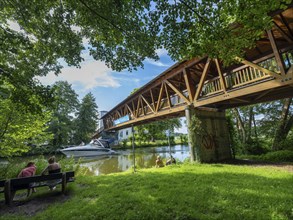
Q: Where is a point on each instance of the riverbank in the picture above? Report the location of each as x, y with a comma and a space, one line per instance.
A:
127, 144
184, 191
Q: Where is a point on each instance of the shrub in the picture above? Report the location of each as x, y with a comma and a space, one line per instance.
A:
13, 167
278, 156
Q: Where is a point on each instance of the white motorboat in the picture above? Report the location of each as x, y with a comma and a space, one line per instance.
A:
94, 148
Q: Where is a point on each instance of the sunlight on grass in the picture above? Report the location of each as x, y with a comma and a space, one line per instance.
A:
183, 191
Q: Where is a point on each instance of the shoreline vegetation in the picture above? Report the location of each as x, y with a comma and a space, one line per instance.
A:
182, 191
126, 144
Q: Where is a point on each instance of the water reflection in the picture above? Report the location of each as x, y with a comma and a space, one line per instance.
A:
144, 158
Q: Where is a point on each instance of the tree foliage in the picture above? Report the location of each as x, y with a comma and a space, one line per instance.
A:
65, 106
263, 127
156, 130
87, 119
215, 28
20, 127
123, 33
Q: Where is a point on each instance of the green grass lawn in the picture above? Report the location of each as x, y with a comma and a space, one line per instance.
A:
183, 191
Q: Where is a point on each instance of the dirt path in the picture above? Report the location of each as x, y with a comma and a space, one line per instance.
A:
32, 205
246, 162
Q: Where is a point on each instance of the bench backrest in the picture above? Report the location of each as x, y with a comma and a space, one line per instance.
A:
2, 183
31, 179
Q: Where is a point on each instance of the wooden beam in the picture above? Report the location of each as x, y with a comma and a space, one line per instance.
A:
133, 107
202, 79
222, 81
241, 100
189, 86
131, 112
175, 81
168, 96
179, 110
264, 86
142, 106
160, 97
148, 104
286, 24
137, 107
118, 113
263, 94
278, 57
253, 65
177, 92
153, 100
282, 32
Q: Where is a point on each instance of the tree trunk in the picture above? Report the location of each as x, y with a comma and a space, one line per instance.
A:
255, 128
284, 126
248, 138
240, 126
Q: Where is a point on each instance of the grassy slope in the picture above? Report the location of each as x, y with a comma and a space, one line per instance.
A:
179, 192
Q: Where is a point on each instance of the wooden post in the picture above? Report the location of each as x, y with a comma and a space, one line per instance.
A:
64, 182
7, 193
133, 150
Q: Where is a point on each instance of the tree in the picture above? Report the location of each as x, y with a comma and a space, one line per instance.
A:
284, 126
156, 130
219, 29
123, 33
65, 106
19, 127
87, 119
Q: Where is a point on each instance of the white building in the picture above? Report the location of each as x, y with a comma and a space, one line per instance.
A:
124, 134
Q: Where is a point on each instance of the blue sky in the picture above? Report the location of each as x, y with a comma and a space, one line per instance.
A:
109, 87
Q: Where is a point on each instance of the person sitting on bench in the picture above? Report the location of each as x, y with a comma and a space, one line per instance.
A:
53, 167
29, 170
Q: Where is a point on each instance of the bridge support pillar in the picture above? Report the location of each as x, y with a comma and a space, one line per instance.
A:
208, 135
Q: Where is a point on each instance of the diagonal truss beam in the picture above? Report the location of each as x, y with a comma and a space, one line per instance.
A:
177, 91
253, 65
189, 86
148, 104
278, 57
202, 79
131, 112
160, 97
222, 81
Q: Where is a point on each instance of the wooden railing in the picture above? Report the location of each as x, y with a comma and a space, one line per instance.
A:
240, 77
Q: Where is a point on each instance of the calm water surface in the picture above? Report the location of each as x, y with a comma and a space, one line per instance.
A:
144, 158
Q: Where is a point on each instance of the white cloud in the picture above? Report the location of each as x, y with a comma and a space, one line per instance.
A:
91, 74
162, 52
156, 63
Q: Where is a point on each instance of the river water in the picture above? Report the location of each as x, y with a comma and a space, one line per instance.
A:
123, 160
144, 158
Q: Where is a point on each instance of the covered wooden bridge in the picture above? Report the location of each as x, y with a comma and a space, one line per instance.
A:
204, 87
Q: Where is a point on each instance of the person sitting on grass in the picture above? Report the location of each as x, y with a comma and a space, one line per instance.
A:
171, 161
159, 162
53, 167
29, 170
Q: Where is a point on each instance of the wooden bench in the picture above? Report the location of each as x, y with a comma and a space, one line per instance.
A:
2, 184
12, 185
